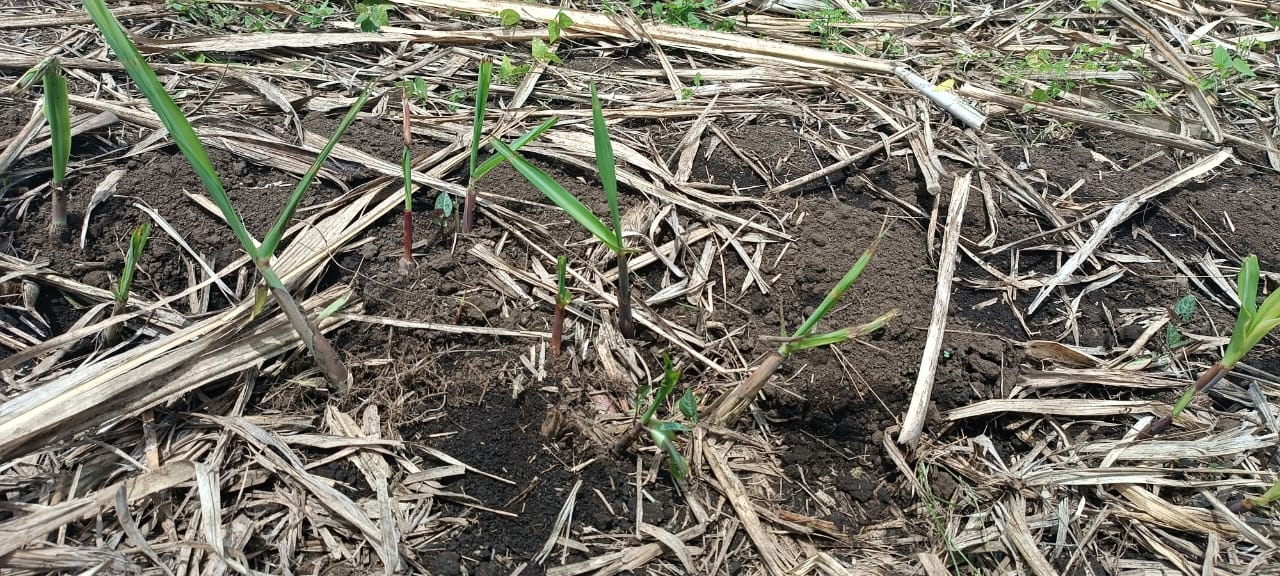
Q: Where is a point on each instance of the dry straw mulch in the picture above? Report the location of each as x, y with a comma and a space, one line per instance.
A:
91, 487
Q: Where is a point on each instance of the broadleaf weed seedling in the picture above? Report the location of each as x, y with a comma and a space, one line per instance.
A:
663, 432
1253, 323
120, 290
57, 111
184, 136
612, 238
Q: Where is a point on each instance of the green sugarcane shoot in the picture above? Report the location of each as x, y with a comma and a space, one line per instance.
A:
184, 136
120, 290
1253, 323
563, 298
57, 112
477, 128
407, 265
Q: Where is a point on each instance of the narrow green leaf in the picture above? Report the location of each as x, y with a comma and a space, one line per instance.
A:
833, 297
57, 111
170, 115
496, 159
806, 342
605, 162
558, 195
406, 168
477, 121
137, 243
553, 31
1247, 284
1184, 400
333, 308
1270, 306
274, 236
563, 297
29, 77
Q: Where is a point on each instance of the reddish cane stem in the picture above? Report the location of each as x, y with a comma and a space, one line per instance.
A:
406, 258
557, 329
468, 209
1206, 379
626, 325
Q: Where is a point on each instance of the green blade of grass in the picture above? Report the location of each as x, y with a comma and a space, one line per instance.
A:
57, 111
137, 243
834, 296
839, 336
605, 162
170, 115
493, 161
273, 237
558, 195
29, 77
477, 121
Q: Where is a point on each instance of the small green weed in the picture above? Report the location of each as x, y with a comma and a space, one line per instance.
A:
372, 16
226, 16
663, 432
1225, 68
1094, 6
314, 14
826, 23
687, 13
1181, 315
510, 73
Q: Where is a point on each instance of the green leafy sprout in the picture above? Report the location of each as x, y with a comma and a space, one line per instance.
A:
179, 128
372, 16
120, 290
1253, 323
57, 111
729, 406
612, 238
563, 298
663, 432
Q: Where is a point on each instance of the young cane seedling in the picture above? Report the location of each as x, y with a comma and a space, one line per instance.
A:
729, 406
1253, 323
120, 290
612, 238
477, 127
57, 111
185, 138
406, 164
563, 298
